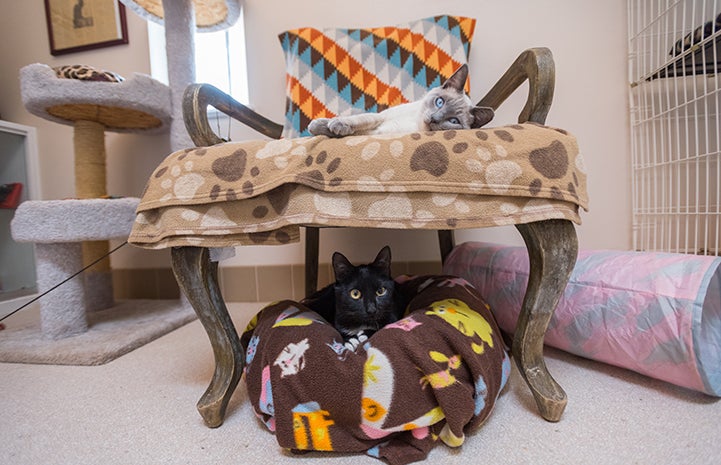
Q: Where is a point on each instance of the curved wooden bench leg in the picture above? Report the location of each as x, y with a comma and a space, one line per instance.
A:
197, 276
552, 250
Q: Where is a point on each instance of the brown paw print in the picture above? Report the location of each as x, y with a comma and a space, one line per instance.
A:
552, 163
263, 237
322, 167
230, 168
431, 157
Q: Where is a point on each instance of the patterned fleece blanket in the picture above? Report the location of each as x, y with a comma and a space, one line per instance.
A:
261, 192
434, 375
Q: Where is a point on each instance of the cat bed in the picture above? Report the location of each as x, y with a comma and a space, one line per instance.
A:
658, 314
260, 192
436, 374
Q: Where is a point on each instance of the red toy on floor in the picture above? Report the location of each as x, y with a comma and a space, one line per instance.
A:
10, 195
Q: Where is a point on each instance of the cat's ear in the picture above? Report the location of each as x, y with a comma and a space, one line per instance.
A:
458, 79
341, 266
383, 260
481, 116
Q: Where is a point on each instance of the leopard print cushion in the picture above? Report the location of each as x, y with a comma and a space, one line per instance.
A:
86, 73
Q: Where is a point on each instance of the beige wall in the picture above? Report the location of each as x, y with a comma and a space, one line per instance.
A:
587, 37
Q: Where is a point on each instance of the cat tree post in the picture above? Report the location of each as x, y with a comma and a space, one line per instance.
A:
90, 157
90, 183
181, 19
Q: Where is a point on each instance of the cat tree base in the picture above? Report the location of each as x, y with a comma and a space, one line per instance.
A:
111, 333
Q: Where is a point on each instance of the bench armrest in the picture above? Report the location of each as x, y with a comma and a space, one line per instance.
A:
535, 65
198, 97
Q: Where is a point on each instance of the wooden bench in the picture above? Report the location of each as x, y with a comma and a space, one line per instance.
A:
263, 192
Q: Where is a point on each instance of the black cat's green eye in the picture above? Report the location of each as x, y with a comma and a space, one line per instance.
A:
381, 292
355, 294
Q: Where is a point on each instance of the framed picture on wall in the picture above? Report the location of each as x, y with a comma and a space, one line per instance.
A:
77, 25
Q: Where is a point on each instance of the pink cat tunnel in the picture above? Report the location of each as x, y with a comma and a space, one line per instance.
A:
658, 314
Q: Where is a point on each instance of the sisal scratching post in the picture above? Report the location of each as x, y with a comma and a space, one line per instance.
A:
90, 183
89, 143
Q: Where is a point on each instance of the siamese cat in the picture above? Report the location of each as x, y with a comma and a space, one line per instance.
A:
442, 108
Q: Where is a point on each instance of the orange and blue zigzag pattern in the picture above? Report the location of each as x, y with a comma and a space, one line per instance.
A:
342, 71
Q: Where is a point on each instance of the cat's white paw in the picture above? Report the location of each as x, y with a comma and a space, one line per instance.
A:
353, 343
339, 127
319, 127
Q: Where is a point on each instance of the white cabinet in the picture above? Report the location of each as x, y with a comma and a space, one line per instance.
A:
18, 164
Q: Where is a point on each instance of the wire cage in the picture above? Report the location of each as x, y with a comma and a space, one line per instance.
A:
674, 66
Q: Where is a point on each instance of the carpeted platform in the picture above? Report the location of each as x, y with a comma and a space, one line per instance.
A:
111, 333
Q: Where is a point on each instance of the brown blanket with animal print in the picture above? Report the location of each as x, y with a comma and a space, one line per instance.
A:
261, 192
434, 375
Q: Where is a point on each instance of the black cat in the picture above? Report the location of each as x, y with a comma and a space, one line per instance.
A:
363, 298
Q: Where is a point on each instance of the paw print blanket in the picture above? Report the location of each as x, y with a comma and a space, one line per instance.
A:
433, 376
262, 192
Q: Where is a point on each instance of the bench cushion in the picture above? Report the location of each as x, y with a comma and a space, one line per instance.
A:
260, 192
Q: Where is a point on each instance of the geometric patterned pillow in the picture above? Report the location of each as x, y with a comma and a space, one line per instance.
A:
332, 72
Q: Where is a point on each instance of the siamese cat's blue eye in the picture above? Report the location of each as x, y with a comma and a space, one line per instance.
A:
381, 292
454, 120
355, 294
439, 102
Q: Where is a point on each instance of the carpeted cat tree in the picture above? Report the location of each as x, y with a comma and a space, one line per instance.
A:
93, 102
72, 330
81, 323
181, 19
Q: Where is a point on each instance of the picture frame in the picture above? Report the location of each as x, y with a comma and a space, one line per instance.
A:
79, 25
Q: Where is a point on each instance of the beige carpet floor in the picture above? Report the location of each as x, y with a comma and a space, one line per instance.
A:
140, 409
